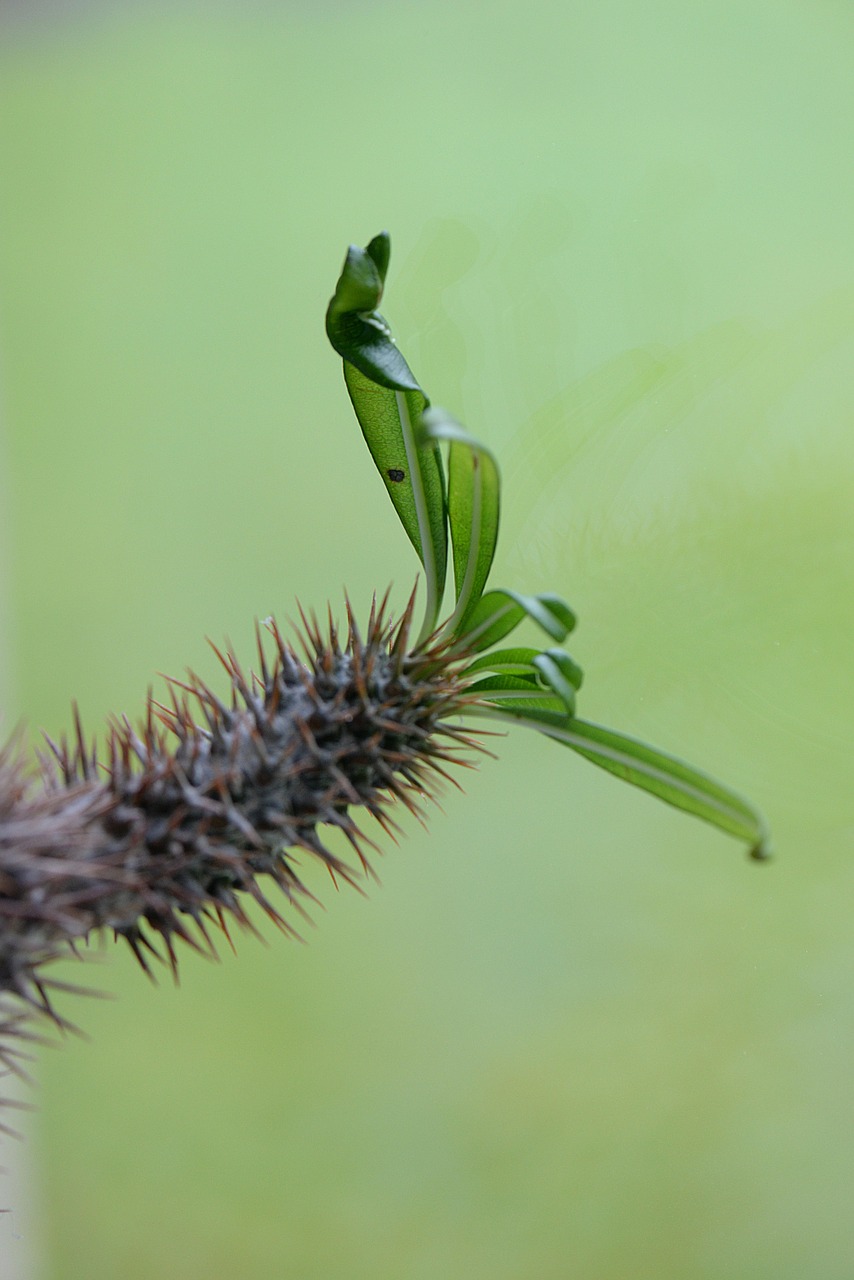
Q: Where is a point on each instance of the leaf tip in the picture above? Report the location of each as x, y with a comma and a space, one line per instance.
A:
379, 250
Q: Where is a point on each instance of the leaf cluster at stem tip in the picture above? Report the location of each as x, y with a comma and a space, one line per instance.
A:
458, 514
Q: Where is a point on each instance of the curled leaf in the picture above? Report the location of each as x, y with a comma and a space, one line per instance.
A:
355, 327
518, 661
561, 674
388, 403
517, 692
497, 613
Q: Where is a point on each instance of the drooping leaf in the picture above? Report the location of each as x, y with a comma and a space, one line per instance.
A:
497, 613
670, 779
474, 490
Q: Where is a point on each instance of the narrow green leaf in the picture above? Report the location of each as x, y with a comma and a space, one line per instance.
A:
497, 613
568, 667
389, 403
437, 426
413, 476
518, 692
558, 672
474, 491
664, 776
518, 661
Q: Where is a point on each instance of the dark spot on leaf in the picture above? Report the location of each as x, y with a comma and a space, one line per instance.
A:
395, 474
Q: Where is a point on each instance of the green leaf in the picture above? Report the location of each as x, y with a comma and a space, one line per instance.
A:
518, 661
498, 613
664, 776
557, 667
389, 403
379, 250
356, 329
516, 691
553, 670
561, 674
474, 491
413, 476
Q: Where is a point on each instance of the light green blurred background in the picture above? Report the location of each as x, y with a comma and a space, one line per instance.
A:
575, 1034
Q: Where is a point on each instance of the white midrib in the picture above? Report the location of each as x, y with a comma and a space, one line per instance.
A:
590, 746
425, 533
474, 547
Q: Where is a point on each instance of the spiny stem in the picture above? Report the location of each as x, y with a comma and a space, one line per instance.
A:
190, 808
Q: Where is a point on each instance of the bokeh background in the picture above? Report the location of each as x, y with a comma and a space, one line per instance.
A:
575, 1034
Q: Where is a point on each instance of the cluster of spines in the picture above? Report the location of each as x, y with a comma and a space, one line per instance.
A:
170, 831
